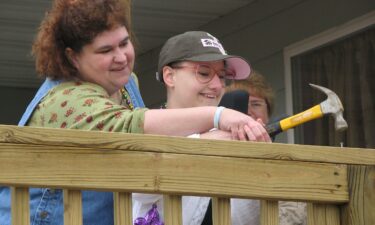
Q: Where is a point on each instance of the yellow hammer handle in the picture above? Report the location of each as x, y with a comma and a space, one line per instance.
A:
310, 114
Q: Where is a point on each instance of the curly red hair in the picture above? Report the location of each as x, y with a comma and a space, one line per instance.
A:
73, 24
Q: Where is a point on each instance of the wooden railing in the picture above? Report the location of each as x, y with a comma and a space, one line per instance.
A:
337, 183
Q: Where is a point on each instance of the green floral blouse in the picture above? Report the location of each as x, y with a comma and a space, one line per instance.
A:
86, 106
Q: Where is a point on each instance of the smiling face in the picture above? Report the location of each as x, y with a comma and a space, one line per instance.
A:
185, 90
107, 61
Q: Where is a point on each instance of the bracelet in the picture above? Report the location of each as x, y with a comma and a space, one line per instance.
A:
217, 115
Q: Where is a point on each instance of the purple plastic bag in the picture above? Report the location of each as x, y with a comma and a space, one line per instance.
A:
152, 218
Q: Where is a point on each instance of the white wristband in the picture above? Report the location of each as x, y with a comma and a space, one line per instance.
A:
217, 115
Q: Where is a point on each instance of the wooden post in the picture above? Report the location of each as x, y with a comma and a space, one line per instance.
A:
269, 212
361, 207
20, 206
221, 211
172, 210
122, 208
323, 214
72, 207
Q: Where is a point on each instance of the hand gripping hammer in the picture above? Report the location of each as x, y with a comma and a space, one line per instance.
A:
332, 105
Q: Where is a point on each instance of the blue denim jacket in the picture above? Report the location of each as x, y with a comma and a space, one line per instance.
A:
46, 205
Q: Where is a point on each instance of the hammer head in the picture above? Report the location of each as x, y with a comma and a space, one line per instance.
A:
332, 105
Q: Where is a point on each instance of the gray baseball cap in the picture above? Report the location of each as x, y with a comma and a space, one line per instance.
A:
199, 46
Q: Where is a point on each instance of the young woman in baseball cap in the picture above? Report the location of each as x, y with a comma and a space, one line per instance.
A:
195, 69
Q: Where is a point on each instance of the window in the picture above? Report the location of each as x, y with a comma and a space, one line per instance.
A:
345, 65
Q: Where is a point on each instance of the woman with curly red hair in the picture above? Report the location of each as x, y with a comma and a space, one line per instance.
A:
84, 49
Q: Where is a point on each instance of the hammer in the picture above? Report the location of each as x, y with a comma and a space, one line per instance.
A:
332, 105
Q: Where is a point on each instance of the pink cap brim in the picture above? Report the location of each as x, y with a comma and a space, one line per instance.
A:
240, 66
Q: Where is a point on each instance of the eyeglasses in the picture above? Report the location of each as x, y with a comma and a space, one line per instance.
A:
205, 73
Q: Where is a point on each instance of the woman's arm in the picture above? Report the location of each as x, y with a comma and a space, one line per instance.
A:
186, 121
179, 122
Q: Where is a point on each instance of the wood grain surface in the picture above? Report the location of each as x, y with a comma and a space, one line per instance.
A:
167, 144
